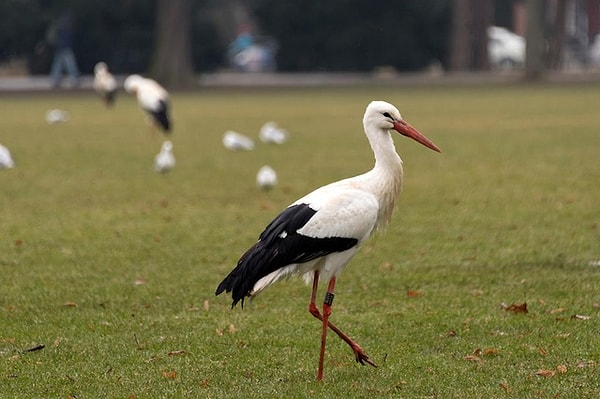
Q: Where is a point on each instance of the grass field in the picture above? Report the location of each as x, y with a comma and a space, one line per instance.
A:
113, 267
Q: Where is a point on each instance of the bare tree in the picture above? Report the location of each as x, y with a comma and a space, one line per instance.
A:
172, 61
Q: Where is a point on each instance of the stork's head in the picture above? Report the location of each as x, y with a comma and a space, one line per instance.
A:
383, 115
132, 82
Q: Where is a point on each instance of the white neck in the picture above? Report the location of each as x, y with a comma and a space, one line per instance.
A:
385, 179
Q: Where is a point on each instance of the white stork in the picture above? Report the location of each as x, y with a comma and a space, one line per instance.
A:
105, 83
152, 98
317, 235
164, 161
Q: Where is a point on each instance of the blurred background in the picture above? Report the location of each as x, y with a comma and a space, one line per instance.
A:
175, 40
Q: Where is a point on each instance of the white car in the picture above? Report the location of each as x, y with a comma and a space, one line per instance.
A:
505, 48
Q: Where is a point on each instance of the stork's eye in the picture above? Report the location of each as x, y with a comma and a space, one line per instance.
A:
387, 115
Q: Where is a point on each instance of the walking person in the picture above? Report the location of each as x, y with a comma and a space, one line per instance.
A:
64, 58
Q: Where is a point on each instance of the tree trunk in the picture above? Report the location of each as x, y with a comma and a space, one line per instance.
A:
460, 51
172, 61
557, 36
468, 47
534, 54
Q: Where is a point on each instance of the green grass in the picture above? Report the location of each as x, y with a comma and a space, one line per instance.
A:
111, 266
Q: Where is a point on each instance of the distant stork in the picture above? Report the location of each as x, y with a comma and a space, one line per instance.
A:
105, 83
152, 98
318, 235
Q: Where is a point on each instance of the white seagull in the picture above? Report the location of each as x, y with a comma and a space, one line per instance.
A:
54, 116
266, 178
273, 134
235, 141
6, 161
105, 83
317, 235
164, 160
152, 98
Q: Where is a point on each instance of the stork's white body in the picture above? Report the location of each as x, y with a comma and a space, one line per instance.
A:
317, 235
151, 97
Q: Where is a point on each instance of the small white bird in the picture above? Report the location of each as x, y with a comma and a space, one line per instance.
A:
105, 83
266, 178
164, 161
152, 98
54, 116
317, 235
6, 161
271, 133
236, 141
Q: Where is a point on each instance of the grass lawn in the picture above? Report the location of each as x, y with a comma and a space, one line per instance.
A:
112, 267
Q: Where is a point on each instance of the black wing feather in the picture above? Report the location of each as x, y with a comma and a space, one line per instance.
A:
278, 246
161, 115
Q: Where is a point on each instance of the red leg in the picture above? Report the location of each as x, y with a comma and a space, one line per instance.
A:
359, 353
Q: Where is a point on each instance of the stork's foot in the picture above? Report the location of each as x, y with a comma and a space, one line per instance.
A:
361, 356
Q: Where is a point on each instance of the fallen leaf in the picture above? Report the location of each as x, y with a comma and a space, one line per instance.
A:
473, 358
542, 351
505, 387
491, 351
70, 304
176, 353
545, 373
131, 396
580, 317
557, 310
204, 383
387, 266
522, 308
206, 305
171, 375
561, 368
412, 293
231, 329
219, 331
139, 281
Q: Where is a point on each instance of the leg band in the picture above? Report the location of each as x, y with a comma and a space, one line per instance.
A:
328, 298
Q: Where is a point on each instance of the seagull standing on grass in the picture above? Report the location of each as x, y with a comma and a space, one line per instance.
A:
266, 178
318, 235
105, 83
164, 160
152, 98
6, 161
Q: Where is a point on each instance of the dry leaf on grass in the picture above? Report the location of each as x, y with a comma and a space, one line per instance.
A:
176, 353
170, 375
516, 308
545, 373
473, 358
580, 317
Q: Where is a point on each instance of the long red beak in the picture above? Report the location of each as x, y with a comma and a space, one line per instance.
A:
405, 129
